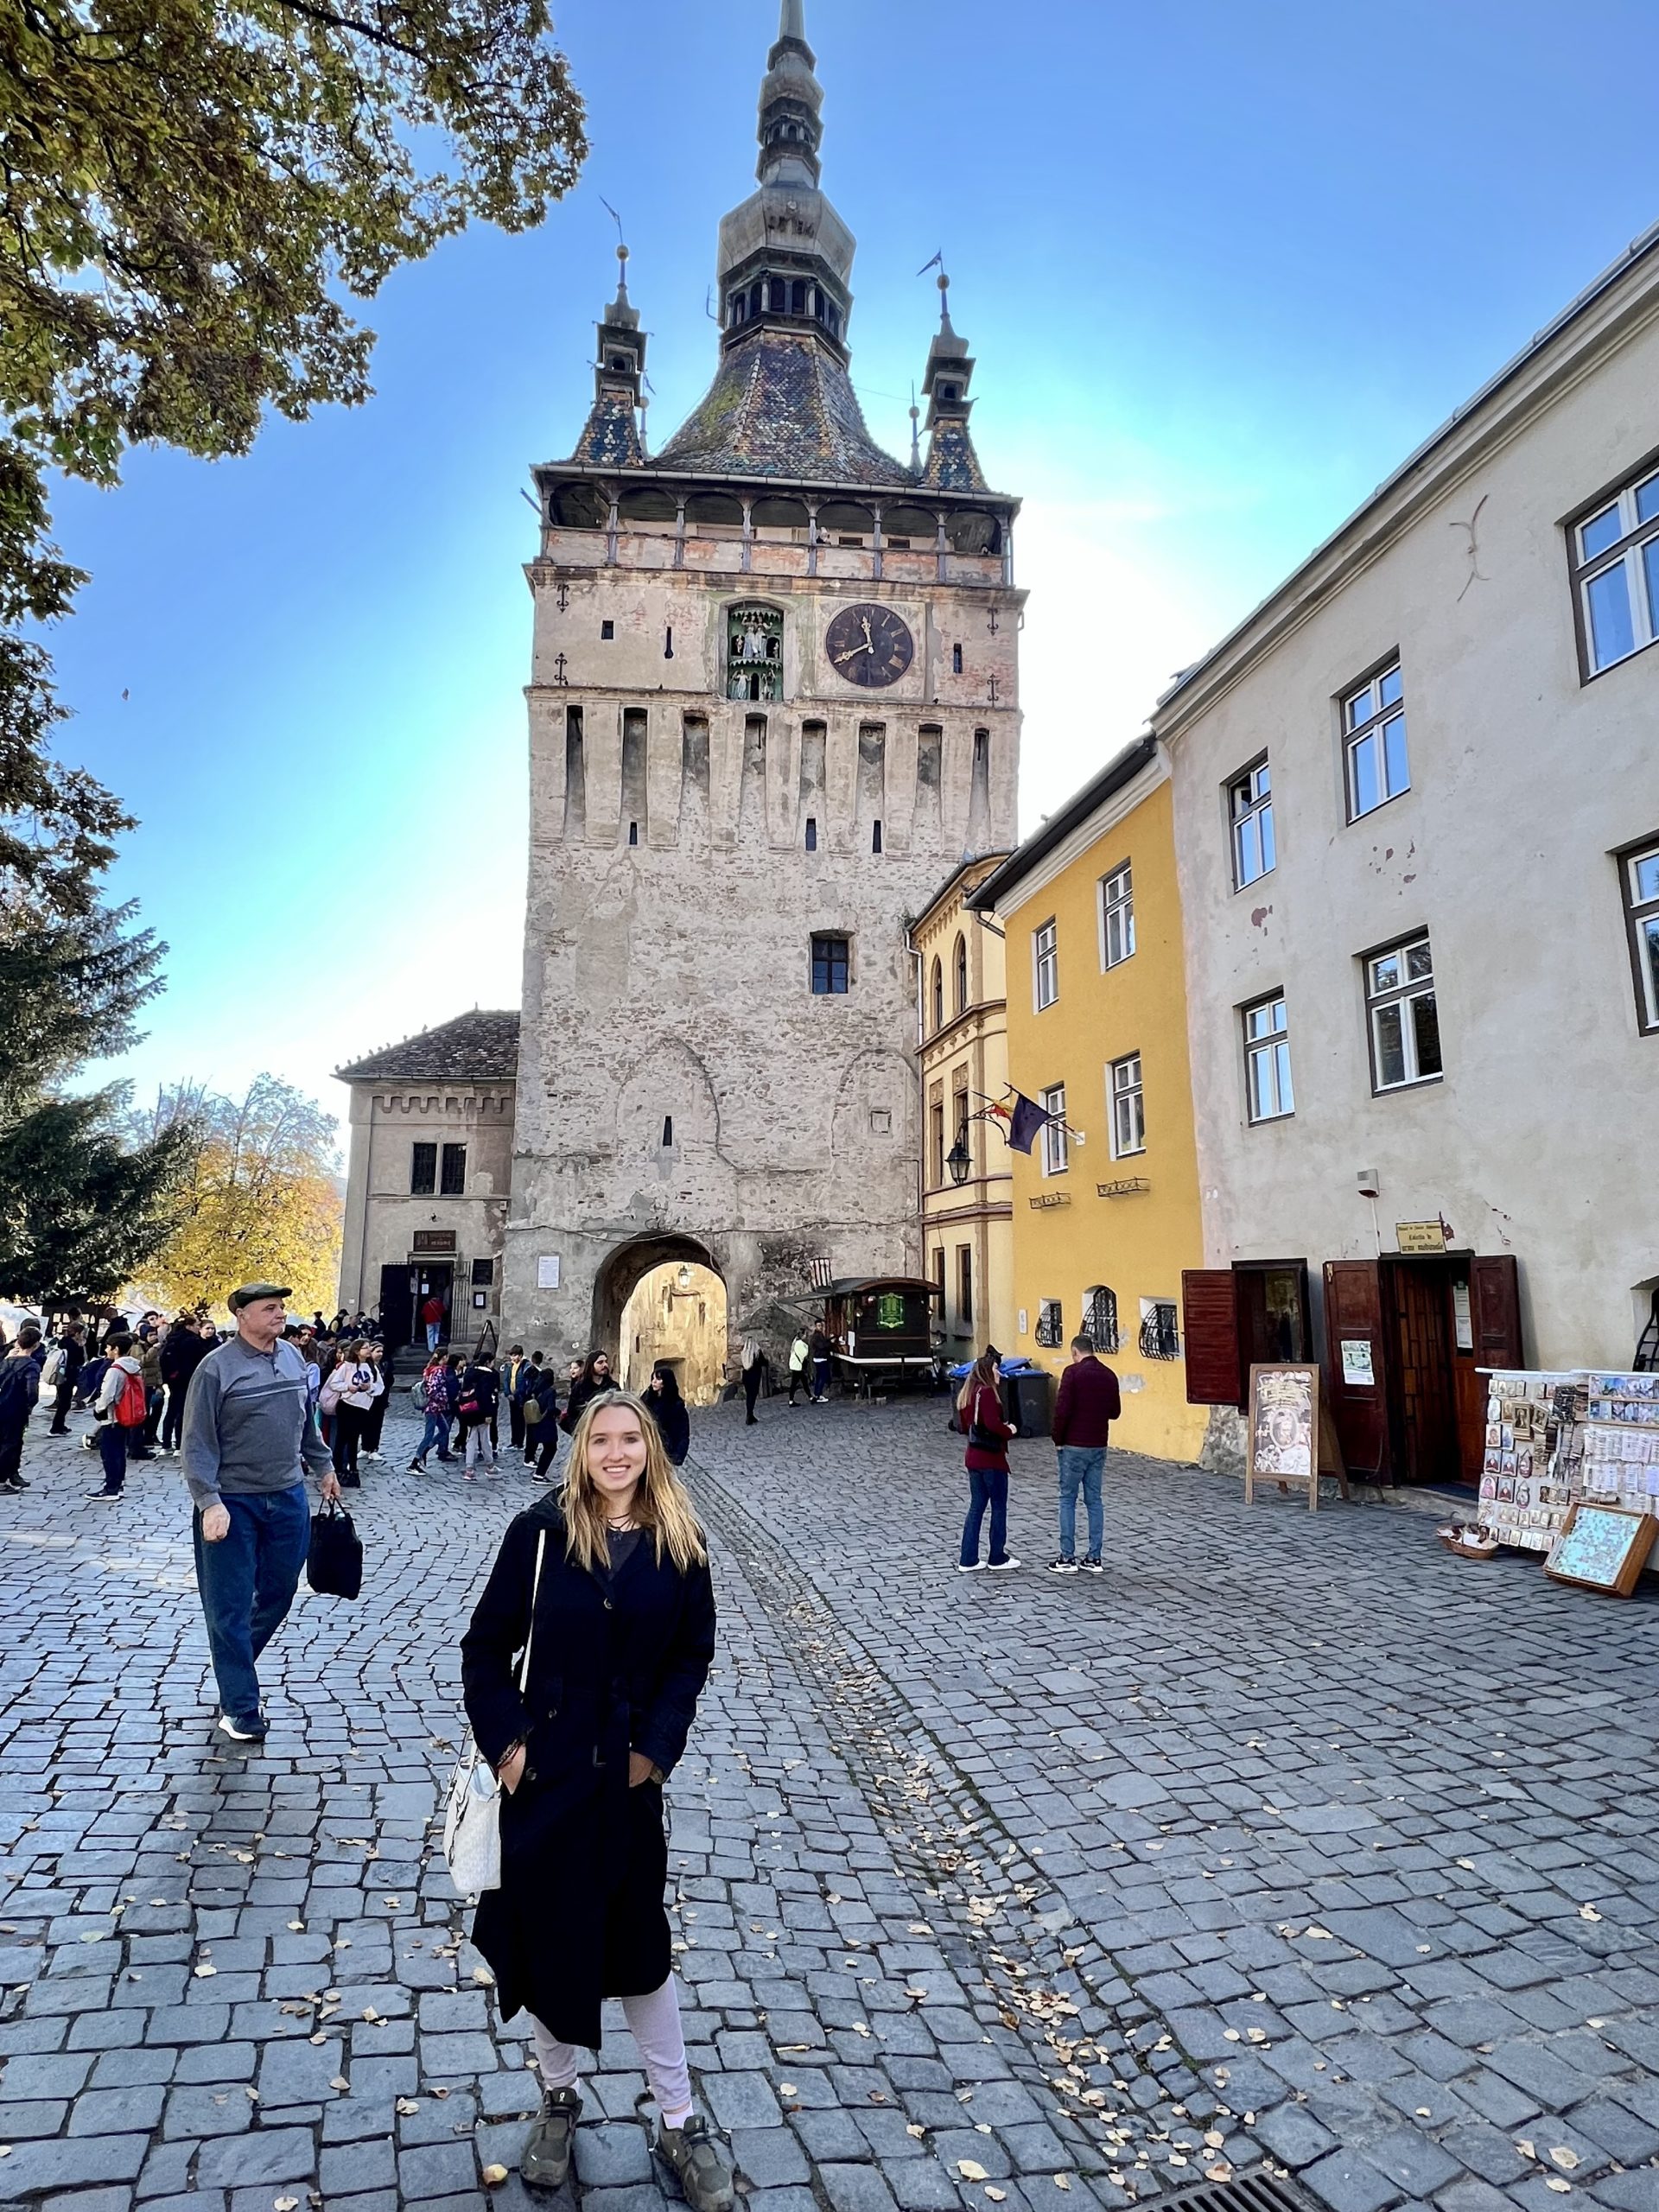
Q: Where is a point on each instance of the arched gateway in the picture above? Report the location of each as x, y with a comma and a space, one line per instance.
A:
664, 1297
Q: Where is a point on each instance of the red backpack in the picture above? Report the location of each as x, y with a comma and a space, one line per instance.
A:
132, 1407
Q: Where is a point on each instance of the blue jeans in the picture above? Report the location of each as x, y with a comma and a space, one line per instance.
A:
247, 1583
986, 1486
434, 1334
112, 1440
1081, 1462
820, 1378
437, 1432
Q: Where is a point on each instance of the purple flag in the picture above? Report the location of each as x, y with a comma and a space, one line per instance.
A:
1024, 1122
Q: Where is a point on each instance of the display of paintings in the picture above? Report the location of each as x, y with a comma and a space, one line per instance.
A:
1553, 1441
1603, 1547
1281, 1437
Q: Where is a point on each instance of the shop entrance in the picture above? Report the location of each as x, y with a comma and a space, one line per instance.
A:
1406, 1339
428, 1278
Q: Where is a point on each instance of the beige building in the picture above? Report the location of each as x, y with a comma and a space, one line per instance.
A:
427, 1174
774, 698
1417, 828
966, 1175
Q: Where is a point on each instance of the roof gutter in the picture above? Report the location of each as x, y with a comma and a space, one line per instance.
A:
1111, 780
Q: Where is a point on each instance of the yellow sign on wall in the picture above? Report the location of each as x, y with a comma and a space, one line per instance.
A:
1419, 1235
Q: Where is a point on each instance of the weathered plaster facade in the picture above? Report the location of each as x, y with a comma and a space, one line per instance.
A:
1531, 779
713, 787
437, 1109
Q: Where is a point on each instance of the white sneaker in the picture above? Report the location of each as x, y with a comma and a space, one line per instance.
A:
971, 1567
1003, 1566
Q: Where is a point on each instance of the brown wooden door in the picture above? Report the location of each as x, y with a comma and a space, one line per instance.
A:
1469, 1385
1209, 1325
1495, 1294
1358, 1402
1425, 1398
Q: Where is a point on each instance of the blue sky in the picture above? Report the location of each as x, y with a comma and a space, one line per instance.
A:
1222, 267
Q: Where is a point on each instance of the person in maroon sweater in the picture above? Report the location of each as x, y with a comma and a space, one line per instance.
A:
979, 1416
1088, 1403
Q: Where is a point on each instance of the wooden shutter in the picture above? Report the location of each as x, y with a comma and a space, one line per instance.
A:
1353, 1311
1495, 1301
1210, 1323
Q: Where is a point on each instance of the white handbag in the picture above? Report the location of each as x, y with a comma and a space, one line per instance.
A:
471, 1822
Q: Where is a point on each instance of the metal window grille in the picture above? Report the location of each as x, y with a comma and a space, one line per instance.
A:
1051, 1324
1100, 1318
452, 1184
423, 1171
1161, 1336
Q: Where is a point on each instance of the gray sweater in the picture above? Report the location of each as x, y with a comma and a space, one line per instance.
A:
248, 1428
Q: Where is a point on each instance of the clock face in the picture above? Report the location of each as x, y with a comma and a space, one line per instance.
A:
869, 645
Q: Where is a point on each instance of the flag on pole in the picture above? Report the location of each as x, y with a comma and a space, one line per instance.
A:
1025, 1121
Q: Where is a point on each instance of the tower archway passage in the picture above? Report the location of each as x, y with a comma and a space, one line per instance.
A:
663, 1296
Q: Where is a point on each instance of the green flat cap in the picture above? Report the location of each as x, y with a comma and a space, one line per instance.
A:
250, 1293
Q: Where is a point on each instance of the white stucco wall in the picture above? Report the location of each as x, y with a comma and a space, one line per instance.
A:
1525, 780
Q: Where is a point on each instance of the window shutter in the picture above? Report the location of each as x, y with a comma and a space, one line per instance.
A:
1495, 1298
1353, 1311
1210, 1323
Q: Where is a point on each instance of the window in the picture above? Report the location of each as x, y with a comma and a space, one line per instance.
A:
1054, 1142
483, 1274
1100, 1317
960, 962
633, 833
1249, 810
812, 833
937, 995
1046, 961
1405, 1023
1267, 1060
876, 837
423, 1170
830, 964
668, 1132
1116, 916
965, 1286
452, 1182
936, 1141
938, 1281
1641, 878
1050, 1322
1616, 573
1160, 1334
1374, 734
1128, 1107
608, 629
754, 652
956, 660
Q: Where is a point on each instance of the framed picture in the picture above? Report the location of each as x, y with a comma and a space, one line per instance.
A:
1603, 1547
1281, 1438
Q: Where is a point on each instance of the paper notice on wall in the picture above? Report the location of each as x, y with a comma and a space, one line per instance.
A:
1357, 1360
547, 1271
1460, 1318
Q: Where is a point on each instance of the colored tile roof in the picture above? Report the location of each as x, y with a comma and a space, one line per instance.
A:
782, 405
476, 1047
952, 464
610, 436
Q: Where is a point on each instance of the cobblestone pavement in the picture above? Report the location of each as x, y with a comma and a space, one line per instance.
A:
1285, 1841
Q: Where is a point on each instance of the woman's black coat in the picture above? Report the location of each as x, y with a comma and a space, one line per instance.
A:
616, 1664
673, 1422
585, 1387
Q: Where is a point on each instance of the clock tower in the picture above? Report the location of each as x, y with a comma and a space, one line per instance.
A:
773, 703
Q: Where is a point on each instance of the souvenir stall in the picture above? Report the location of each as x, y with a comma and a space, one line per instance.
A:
1558, 1442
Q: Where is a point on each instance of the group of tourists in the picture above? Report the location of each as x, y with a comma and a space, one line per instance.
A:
462, 1399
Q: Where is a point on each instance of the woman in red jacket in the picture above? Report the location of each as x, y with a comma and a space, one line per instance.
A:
979, 1416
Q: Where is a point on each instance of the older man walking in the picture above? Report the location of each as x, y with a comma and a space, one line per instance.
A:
249, 1439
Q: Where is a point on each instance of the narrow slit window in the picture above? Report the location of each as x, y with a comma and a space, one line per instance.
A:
667, 643
876, 837
668, 1132
608, 629
956, 660
812, 833
633, 833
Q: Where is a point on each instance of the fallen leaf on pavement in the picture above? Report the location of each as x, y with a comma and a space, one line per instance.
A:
970, 2170
1588, 1912
494, 2176
1566, 2159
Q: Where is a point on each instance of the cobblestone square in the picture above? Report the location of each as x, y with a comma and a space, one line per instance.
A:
1287, 1839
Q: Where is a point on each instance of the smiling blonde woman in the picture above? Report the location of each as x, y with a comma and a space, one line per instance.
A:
607, 1583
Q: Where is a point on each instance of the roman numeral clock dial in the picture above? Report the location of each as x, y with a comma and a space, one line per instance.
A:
869, 645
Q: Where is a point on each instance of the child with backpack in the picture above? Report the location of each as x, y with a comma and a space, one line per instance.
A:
122, 1408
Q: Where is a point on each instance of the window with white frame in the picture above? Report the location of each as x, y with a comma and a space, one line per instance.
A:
1640, 871
1045, 965
1054, 1147
1050, 1322
1250, 815
1128, 1106
1374, 740
1267, 1059
1616, 573
1405, 1022
1116, 916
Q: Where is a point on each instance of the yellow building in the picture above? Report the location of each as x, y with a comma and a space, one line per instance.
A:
1106, 1218
966, 1206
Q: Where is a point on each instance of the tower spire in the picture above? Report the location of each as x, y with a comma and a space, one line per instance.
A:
791, 102
952, 464
612, 433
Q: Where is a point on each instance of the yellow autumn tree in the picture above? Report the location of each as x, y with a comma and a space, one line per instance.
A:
263, 1204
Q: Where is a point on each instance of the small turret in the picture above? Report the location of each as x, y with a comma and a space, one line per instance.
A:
952, 464
612, 435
